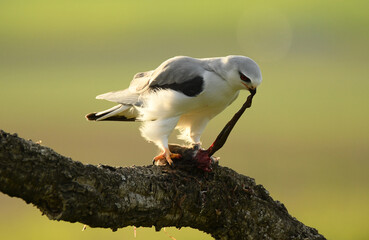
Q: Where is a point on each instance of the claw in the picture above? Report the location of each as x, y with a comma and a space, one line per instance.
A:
175, 156
166, 158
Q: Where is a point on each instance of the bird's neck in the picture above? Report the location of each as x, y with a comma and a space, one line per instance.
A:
218, 66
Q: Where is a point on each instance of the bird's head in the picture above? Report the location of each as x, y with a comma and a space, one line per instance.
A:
242, 72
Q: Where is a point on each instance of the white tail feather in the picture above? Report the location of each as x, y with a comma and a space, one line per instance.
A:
108, 110
112, 111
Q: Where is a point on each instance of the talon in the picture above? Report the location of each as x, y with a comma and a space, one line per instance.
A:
175, 156
169, 160
196, 146
160, 160
166, 158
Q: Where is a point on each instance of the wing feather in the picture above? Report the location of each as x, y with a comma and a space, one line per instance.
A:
178, 70
183, 74
140, 81
123, 96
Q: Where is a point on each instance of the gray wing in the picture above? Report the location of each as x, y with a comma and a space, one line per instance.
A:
178, 70
182, 74
129, 96
140, 81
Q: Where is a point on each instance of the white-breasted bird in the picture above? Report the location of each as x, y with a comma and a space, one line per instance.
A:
183, 93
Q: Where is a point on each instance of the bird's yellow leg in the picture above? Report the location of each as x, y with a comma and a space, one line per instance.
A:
166, 156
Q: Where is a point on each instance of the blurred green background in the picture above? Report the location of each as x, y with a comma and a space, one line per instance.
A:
306, 138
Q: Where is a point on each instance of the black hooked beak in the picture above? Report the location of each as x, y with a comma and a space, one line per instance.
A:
252, 91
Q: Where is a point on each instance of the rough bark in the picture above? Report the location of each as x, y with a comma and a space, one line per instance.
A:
223, 203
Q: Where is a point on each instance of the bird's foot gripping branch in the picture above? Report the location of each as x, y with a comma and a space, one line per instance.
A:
193, 158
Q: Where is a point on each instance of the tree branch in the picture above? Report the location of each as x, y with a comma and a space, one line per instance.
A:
223, 203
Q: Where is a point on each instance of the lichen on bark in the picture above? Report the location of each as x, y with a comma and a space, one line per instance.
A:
223, 203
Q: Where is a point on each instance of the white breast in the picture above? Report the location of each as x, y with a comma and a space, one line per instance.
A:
217, 95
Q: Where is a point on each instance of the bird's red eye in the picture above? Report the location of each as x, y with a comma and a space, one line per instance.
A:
244, 78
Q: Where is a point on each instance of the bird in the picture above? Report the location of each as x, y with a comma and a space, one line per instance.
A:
182, 93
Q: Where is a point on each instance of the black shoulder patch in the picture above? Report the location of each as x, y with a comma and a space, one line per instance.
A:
190, 88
